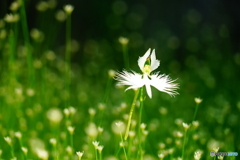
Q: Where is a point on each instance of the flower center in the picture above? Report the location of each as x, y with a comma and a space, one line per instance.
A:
147, 69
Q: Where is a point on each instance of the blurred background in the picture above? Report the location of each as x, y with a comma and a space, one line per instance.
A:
196, 41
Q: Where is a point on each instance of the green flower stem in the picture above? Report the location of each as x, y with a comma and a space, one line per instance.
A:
100, 155
124, 150
65, 142
108, 88
139, 124
130, 114
24, 154
71, 144
96, 154
194, 117
125, 56
12, 151
184, 142
195, 113
67, 56
12, 57
55, 152
130, 144
27, 43
105, 98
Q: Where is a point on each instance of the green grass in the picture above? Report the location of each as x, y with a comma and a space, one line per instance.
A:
52, 106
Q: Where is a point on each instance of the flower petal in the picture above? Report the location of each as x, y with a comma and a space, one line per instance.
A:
154, 62
164, 83
132, 79
142, 60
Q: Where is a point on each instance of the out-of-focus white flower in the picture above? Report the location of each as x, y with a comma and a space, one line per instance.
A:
91, 130
198, 100
185, 126
100, 148
147, 63
42, 154
68, 8
95, 144
24, 150
123, 40
80, 154
54, 115
8, 140
118, 127
197, 155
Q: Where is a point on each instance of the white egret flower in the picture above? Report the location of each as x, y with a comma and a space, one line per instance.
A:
147, 63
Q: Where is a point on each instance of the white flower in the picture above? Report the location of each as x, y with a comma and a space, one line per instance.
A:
147, 64
80, 154
95, 143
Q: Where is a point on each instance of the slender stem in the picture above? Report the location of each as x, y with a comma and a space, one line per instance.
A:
71, 143
27, 43
195, 113
100, 155
96, 154
130, 114
12, 151
184, 142
124, 150
12, 52
20, 144
105, 98
55, 152
108, 87
139, 123
67, 56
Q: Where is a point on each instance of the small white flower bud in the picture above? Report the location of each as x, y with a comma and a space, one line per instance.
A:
70, 129
53, 141
69, 150
60, 16
131, 134
197, 155
92, 112
100, 129
195, 124
143, 126
80, 154
72, 110
66, 112
100, 148
30, 92
54, 115
95, 144
8, 140
68, 8
185, 126
18, 135
11, 18
198, 100
111, 73
215, 149
123, 40
24, 150
14, 6
121, 144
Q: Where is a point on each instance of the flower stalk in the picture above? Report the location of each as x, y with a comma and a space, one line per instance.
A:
139, 124
131, 113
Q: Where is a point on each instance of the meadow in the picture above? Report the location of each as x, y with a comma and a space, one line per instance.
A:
59, 98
